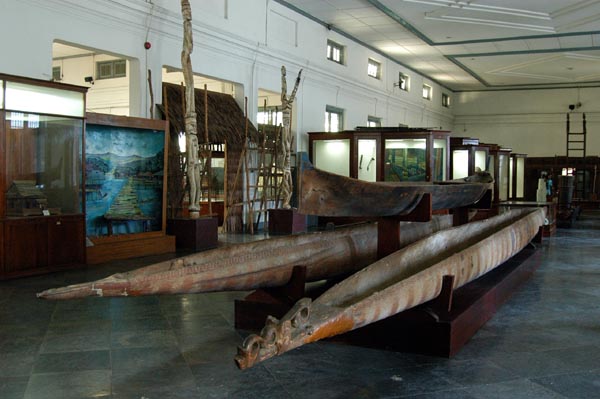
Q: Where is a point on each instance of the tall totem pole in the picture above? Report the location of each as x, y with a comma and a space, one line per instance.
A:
191, 127
286, 137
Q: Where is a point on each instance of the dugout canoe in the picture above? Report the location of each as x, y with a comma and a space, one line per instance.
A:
259, 264
400, 281
327, 194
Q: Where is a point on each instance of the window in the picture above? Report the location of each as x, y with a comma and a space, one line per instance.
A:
56, 74
427, 92
445, 100
403, 81
269, 116
335, 52
374, 69
334, 119
111, 69
373, 121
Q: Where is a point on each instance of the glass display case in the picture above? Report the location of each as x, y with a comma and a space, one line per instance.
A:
382, 154
468, 156
41, 183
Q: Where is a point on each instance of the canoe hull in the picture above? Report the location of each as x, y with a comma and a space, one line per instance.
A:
260, 264
404, 279
327, 194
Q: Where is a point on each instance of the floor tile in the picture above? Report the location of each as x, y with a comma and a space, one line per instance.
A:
143, 339
99, 340
145, 358
516, 389
16, 364
75, 385
72, 362
13, 388
575, 385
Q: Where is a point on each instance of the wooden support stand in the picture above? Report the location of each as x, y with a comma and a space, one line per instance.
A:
195, 234
252, 311
388, 228
444, 325
286, 221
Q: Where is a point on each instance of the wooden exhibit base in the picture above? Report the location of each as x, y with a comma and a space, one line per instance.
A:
124, 247
432, 329
195, 234
439, 327
286, 221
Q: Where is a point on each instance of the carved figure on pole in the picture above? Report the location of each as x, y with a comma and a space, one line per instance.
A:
191, 127
286, 137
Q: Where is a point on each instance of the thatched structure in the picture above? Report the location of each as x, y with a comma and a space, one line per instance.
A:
226, 125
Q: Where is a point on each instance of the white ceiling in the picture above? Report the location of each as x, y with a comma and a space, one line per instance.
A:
475, 44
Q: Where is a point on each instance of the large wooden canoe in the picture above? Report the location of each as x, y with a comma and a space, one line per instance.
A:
327, 194
402, 280
259, 264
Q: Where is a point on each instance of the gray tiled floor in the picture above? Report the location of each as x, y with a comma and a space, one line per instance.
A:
543, 343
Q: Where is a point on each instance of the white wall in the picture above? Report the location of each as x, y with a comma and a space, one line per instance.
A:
110, 96
240, 41
528, 121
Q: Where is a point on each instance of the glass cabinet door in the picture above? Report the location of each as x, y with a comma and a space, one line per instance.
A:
503, 177
460, 164
367, 159
520, 177
480, 160
439, 159
332, 156
43, 164
405, 160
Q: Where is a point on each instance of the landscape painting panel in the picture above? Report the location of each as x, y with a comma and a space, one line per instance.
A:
124, 180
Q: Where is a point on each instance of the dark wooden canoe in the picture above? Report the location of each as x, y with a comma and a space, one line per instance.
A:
327, 194
402, 280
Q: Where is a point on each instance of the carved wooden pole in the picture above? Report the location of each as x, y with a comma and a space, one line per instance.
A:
191, 128
286, 139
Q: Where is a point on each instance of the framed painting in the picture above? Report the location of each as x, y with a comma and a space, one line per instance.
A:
125, 187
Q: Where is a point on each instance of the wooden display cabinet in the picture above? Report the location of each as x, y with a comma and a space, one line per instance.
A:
42, 227
383, 154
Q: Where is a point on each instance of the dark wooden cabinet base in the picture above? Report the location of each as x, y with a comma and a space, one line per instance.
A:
41, 244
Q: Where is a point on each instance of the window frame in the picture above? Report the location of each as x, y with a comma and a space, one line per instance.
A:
56, 73
331, 47
373, 121
329, 110
373, 62
113, 64
446, 100
427, 92
403, 81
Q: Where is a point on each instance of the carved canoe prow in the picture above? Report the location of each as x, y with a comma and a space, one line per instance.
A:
259, 264
400, 281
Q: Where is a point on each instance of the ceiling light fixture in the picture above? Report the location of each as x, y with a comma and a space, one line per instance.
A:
491, 22
484, 8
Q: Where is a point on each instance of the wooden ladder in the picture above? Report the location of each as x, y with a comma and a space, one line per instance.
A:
576, 148
265, 175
